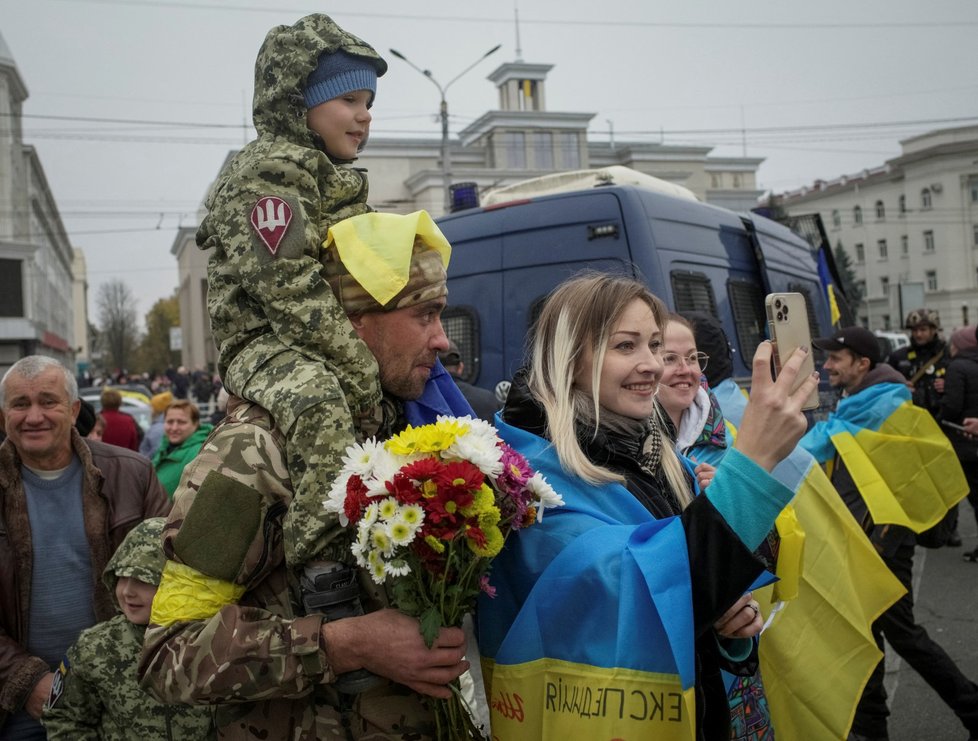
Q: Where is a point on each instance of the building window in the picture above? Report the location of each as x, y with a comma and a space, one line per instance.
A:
887, 324
902, 204
857, 215
836, 218
880, 211
885, 285
925, 200
974, 236
881, 244
568, 151
928, 241
904, 245
860, 253
543, 150
11, 288
514, 149
736, 180
973, 187
714, 180
931, 277
861, 286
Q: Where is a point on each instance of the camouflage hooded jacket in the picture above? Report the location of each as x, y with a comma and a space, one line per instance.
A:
260, 660
266, 295
96, 695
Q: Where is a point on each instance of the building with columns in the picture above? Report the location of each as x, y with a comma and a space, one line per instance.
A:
909, 227
519, 140
39, 295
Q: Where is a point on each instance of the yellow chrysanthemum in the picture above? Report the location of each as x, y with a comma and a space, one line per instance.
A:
494, 543
434, 544
425, 439
483, 501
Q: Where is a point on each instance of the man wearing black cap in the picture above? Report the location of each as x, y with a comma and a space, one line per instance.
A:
483, 402
853, 364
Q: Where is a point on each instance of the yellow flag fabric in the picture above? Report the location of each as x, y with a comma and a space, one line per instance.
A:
898, 457
790, 554
553, 700
376, 248
186, 594
818, 653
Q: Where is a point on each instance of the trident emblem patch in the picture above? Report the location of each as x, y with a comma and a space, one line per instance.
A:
271, 217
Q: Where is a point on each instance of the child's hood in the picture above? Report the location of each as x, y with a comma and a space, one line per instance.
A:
140, 555
285, 60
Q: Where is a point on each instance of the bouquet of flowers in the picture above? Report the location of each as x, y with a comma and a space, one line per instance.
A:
432, 507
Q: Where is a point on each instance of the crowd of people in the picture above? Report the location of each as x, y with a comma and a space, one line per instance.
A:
154, 587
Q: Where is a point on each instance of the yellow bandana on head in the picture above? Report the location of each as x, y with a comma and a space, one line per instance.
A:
377, 249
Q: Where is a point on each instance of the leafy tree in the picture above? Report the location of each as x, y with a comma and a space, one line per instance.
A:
850, 285
154, 351
118, 328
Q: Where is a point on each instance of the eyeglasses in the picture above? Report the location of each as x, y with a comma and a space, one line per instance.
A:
692, 361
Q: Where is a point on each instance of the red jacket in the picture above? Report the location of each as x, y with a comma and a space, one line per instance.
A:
120, 429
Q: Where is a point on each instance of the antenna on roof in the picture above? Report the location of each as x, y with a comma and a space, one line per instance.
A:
519, 49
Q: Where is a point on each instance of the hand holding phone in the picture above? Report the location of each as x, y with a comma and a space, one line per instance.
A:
787, 319
954, 426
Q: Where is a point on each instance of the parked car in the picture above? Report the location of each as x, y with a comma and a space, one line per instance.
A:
890, 341
135, 403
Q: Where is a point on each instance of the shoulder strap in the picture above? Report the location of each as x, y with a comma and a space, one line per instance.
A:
923, 368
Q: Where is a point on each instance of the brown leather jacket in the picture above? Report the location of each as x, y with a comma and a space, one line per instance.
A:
119, 490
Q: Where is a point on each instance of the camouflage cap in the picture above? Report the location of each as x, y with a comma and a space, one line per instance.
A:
139, 556
383, 262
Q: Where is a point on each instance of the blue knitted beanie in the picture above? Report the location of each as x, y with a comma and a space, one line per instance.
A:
339, 73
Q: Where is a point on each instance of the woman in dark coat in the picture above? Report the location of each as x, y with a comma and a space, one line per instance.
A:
960, 400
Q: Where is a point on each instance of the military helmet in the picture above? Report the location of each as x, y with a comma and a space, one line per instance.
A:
922, 316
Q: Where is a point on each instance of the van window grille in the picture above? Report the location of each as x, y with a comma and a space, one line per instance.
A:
750, 320
692, 292
461, 324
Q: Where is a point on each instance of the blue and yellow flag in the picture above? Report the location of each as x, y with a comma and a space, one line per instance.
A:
818, 652
900, 460
590, 634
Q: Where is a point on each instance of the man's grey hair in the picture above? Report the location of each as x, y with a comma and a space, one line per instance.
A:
33, 366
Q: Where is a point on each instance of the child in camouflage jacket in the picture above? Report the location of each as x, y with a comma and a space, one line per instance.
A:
96, 695
285, 343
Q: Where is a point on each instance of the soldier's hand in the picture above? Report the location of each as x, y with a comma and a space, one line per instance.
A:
773, 421
39, 695
939, 385
389, 644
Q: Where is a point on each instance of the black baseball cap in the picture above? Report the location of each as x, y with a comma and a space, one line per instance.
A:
855, 339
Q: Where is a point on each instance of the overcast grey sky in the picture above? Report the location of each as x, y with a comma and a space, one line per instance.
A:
818, 89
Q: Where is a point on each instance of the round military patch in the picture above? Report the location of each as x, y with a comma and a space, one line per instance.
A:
270, 218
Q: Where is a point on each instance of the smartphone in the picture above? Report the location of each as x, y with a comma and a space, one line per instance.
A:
787, 320
954, 426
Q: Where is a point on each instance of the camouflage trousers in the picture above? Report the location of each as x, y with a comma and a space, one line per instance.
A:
306, 401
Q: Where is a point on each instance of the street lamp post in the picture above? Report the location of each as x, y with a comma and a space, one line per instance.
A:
446, 163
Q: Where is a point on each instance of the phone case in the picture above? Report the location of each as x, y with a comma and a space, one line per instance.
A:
787, 319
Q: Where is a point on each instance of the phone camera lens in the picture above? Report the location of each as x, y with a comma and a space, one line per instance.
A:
780, 316
777, 303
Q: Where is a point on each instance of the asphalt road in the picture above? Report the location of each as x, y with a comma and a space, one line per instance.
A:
946, 605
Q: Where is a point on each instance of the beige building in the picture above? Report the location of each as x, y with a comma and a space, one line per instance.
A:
38, 296
909, 227
519, 140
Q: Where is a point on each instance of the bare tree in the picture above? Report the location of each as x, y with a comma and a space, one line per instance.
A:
118, 328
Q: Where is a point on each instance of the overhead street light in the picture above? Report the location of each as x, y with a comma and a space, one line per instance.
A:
446, 165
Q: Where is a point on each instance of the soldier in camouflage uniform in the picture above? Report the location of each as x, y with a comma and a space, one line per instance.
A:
96, 695
284, 341
228, 627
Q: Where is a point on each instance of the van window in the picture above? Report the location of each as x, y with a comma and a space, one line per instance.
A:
461, 324
750, 321
692, 292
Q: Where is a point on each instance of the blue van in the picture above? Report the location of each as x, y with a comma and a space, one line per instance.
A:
508, 256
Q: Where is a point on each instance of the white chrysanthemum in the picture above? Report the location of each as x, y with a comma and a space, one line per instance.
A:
361, 547
413, 515
398, 567
479, 447
400, 532
380, 539
377, 567
361, 459
336, 497
370, 514
544, 493
387, 508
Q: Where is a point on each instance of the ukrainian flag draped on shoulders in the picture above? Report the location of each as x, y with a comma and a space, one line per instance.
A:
819, 651
899, 459
590, 633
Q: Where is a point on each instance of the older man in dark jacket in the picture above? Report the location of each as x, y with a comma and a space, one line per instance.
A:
65, 505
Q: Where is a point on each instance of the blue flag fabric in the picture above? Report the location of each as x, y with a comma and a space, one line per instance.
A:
441, 396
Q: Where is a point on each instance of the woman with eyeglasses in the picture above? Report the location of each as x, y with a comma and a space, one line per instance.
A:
635, 580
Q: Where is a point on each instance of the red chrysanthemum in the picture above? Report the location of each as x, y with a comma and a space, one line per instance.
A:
356, 498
